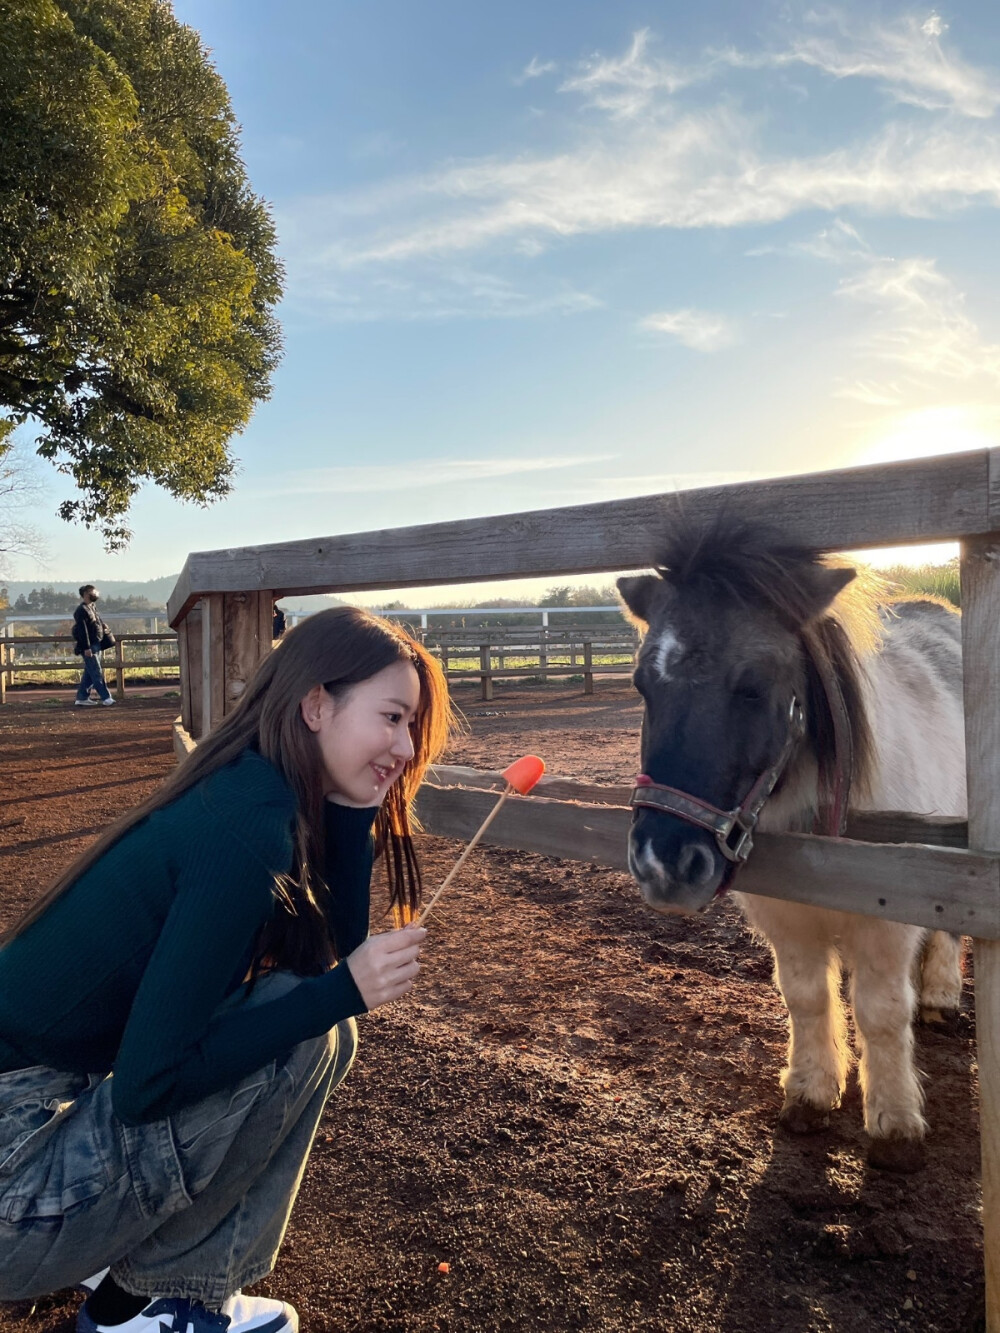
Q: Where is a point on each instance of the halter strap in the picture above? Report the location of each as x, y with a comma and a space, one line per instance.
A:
733, 829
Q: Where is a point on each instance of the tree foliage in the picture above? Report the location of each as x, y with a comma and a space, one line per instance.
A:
46, 602
137, 267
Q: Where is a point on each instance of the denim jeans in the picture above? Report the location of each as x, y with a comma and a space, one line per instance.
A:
92, 678
192, 1206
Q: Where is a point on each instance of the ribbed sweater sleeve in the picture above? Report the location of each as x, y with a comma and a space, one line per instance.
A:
181, 1041
349, 856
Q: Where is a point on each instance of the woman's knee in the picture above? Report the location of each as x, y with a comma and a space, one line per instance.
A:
345, 1034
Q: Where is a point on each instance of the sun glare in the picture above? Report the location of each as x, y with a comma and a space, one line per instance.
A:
933, 430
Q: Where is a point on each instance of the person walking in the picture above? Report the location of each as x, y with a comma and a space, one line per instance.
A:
89, 634
176, 1009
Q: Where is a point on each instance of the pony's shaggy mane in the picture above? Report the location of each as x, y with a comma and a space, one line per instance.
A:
754, 565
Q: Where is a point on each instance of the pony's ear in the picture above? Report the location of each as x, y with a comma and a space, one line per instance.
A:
637, 594
821, 587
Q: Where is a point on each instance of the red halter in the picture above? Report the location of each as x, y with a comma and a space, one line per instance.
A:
733, 829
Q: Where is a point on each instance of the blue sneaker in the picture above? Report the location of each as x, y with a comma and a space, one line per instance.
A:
240, 1314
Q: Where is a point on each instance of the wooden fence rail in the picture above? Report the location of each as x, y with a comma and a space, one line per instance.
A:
583, 648
114, 659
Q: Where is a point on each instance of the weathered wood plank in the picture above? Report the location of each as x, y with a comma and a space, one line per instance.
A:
994, 490
193, 623
183, 742
941, 888
213, 679
862, 825
242, 643
980, 570
932, 499
265, 622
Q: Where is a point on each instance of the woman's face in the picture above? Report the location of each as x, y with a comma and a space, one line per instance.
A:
364, 736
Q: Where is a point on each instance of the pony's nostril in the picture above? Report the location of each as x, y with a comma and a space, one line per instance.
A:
695, 864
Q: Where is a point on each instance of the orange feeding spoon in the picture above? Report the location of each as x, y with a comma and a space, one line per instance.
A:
520, 777
524, 773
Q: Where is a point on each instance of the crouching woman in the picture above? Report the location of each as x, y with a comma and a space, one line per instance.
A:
175, 1011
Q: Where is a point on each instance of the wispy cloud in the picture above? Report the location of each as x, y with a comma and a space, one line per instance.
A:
704, 170
655, 159
427, 473
534, 69
694, 328
434, 291
629, 85
920, 327
906, 57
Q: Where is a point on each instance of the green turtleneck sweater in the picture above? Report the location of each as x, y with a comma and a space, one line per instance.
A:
127, 970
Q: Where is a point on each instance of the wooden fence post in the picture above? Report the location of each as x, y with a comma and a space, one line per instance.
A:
184, 659
3, 672
119, 669
543, 654
486, 677
247, 640
980, 572
213, 685
588, 667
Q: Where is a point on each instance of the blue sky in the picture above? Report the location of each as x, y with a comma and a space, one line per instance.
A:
540, 254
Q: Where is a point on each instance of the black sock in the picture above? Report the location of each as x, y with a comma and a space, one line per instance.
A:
109, 1304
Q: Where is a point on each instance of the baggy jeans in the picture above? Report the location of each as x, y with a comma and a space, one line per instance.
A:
92, 678
193, 1206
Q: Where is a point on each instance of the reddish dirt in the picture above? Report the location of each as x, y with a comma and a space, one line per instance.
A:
576, 1109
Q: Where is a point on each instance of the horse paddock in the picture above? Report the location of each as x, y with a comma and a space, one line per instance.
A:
572, 1123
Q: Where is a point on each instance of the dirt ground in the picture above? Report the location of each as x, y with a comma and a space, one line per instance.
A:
575, 1112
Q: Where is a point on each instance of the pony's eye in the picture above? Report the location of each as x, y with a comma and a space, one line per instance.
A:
748, 692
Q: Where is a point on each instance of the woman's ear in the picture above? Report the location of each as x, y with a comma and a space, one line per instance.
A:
311, 707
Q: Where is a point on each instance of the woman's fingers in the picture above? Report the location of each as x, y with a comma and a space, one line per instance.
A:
384, 967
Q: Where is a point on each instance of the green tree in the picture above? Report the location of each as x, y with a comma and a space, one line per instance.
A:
137, 267
558, 596
46, 602
133, 602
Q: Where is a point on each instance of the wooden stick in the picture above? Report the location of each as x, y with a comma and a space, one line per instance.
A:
458, 864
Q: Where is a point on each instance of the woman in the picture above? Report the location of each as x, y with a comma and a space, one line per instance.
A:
176, 1009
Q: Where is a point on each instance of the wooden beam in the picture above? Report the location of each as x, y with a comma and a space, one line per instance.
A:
941, 888
213, 698
980, 572
862, 825
934, 499
193, 623
243, 647
184, 665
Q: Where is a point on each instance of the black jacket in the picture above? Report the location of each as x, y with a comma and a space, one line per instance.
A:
88, 628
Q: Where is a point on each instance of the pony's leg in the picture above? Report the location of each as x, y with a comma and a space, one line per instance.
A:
941, 978
808, 976
882, 954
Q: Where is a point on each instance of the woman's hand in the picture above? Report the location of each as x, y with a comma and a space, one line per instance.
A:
384, 966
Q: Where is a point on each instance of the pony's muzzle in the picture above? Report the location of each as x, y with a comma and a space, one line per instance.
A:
677, 867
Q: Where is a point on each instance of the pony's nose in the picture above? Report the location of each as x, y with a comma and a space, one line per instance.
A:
695, 865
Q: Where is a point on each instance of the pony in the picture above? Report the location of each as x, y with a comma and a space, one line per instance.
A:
780, 685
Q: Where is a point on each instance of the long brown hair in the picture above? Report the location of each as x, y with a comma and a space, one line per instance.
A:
337, 649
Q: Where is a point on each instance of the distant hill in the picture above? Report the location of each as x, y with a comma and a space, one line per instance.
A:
155, 590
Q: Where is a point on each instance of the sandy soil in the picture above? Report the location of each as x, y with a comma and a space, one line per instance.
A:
576, 1110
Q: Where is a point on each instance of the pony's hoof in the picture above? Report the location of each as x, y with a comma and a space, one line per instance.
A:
804, 1118
942, 1020
897, 1154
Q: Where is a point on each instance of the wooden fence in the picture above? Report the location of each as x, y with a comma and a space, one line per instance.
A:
116, 661
586, 651
221, 607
